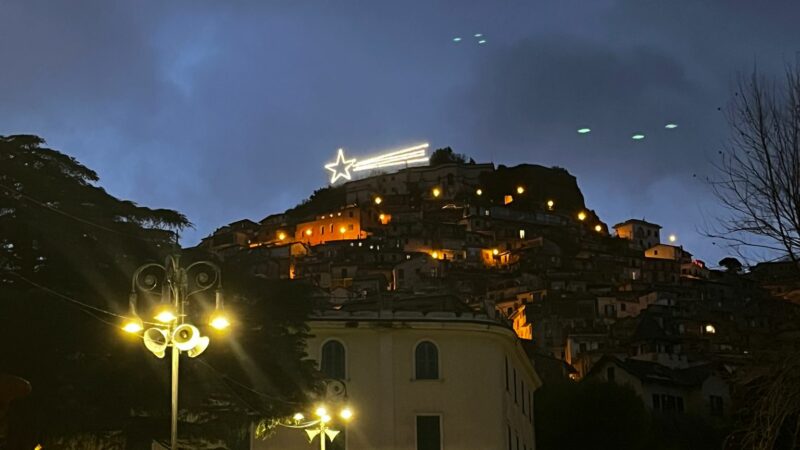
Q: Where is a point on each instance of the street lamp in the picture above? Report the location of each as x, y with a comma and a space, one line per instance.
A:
320, 425
177, 284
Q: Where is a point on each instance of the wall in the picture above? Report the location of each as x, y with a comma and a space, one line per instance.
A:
471, 395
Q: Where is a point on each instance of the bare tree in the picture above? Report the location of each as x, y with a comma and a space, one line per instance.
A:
758, 178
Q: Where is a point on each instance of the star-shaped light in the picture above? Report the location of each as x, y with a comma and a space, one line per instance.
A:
340, 168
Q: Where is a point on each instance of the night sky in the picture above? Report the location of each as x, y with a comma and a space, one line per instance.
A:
228, 109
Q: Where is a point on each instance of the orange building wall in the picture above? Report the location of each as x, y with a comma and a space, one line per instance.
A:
337, 228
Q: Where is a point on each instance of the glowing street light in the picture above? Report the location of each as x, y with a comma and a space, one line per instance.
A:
321, 426
550, 204
479, 192
581, 216
176, 286
598, 228
378, 200
436, 192
673, 238
520, 190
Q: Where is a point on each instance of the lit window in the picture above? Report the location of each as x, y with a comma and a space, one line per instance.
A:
426, 361
333, 360
507, 199
522, 234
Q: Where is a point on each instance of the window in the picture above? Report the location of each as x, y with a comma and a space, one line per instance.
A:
344, 272
333, 360
610, 375
429, 433
426, 361
666, 402
350, 226
715, 402
506, 373
522, 234
322, 229
522, 387
508, 434
515, 386
401, 274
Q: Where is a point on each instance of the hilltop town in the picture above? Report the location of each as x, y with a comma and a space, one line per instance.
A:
519, 246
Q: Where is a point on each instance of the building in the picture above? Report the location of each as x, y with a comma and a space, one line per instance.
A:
643, 235
699, 391
423, 379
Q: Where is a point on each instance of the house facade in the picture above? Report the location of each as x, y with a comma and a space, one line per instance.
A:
423, 381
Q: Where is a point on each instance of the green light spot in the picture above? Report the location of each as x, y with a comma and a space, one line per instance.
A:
637, 137
584, 130
670, 126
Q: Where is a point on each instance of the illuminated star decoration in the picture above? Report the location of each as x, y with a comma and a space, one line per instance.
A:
340, 168
403, 157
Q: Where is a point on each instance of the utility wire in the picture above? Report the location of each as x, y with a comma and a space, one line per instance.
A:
69, 299
71, 216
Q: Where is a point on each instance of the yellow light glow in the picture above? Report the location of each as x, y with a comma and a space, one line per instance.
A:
495, 251
581, 216
165, 315
298, 417
281, 236
378, 200
508, 199
435, 255
673, 238
436, 192
342, 230
520, 190
326, 418
308, 232
346, 414
479, 192
598, 228
550, 204
220, 322
321, 411
133, 325
382, 217
710, 329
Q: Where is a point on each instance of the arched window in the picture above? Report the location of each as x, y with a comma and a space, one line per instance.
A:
333, 360
426, 361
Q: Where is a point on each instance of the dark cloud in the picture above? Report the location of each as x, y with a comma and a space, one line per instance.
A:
226, 110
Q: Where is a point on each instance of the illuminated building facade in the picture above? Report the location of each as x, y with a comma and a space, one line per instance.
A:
415, 376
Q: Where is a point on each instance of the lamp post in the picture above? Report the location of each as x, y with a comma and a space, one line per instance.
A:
176, 284
319, 426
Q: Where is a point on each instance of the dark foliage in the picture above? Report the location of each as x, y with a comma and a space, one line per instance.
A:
61, 238
446, 155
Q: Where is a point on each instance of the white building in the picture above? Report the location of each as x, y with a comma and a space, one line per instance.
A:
419, 381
